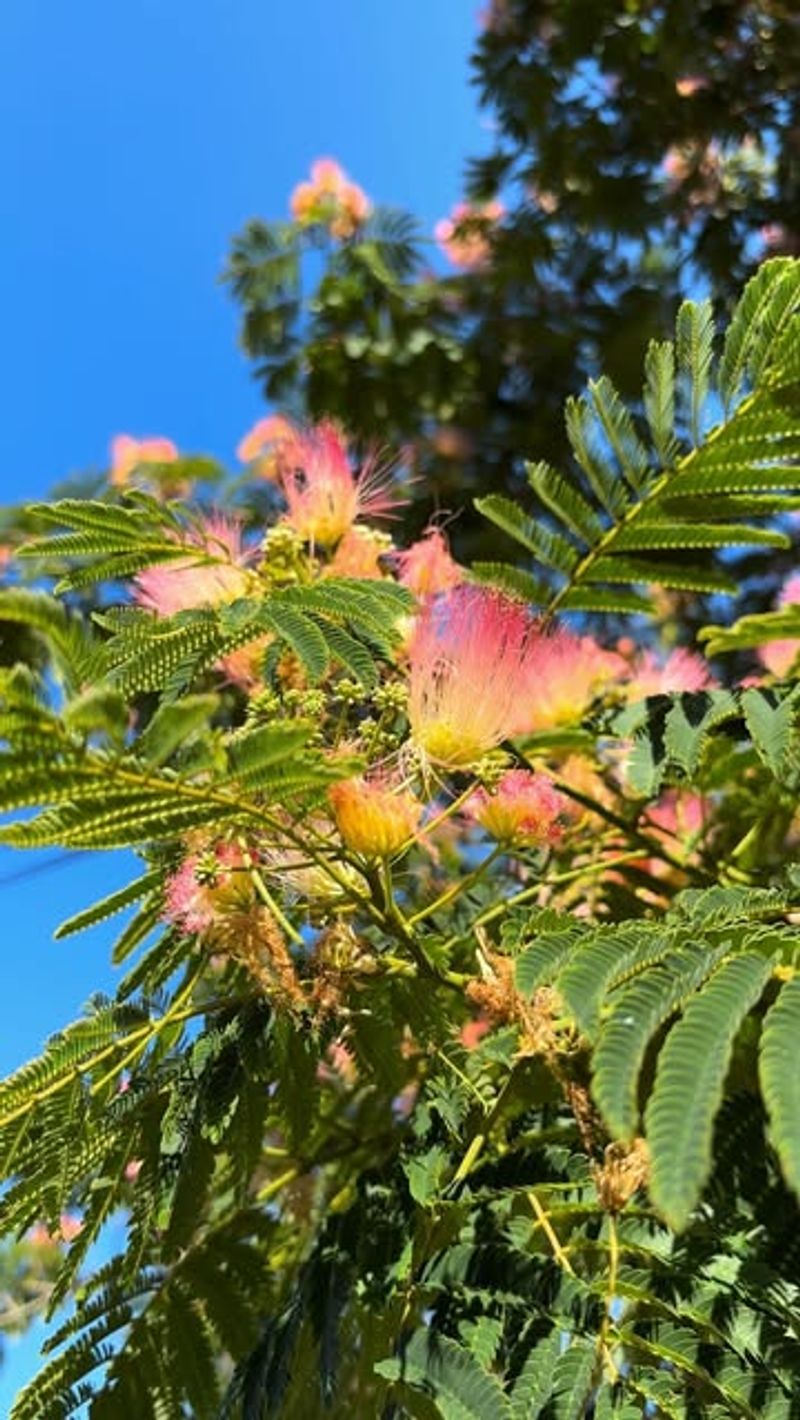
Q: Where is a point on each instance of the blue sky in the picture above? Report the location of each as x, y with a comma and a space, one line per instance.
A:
135, 139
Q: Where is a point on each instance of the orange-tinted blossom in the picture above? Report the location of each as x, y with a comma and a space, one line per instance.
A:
464, 235
261, 445
375, 817
359, 554
330, 198
128, 454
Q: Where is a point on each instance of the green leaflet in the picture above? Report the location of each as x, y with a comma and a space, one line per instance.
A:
534, 1385
689, 1080
771, 721
550, 548
694, 340
635, 1016
751, 631
780, 1080
767, 306
108, 906
463, 1390
659, 398
690, 494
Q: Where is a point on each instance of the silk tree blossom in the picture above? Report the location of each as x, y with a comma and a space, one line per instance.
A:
331, 199
185, 584
468, 673
464, 235
682, 670
260, 447
199, 889
214, 574
212, 894
524, 808
779, 657
427, 567
359, 553
323, 495
375, 816
128, 454
677, 820
565, 674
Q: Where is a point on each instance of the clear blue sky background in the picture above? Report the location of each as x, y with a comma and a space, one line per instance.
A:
135, 138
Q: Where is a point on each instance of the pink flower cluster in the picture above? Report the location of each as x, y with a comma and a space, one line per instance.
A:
779, 657
128, 454
324, 497
464, 236
330, 199
482, 669
524, 808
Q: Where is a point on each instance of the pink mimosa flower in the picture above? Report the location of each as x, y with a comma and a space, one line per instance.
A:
690, 84
681, 671
327, 176
193, 581
464, 235
192, 898
331, 199
261, 445
427, 567
69, 1226
472, 1033
359, 554
779, 656
467, 660
565, 674
524, 809
324, 496
677, 820
128, 454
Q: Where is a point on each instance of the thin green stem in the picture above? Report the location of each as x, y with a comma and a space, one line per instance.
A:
461, 885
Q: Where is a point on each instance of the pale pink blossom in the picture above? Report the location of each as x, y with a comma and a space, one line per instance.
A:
524, 808
467, 666
464, 236
212, 573
192, 892
682, 670
427, 566
128, 454
260, 446
779, 657
323, 495
565, 673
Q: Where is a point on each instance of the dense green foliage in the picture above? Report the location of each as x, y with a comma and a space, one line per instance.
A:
639, 150
427, 1117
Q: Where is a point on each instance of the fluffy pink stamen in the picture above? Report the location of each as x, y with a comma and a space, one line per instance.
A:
467, 663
